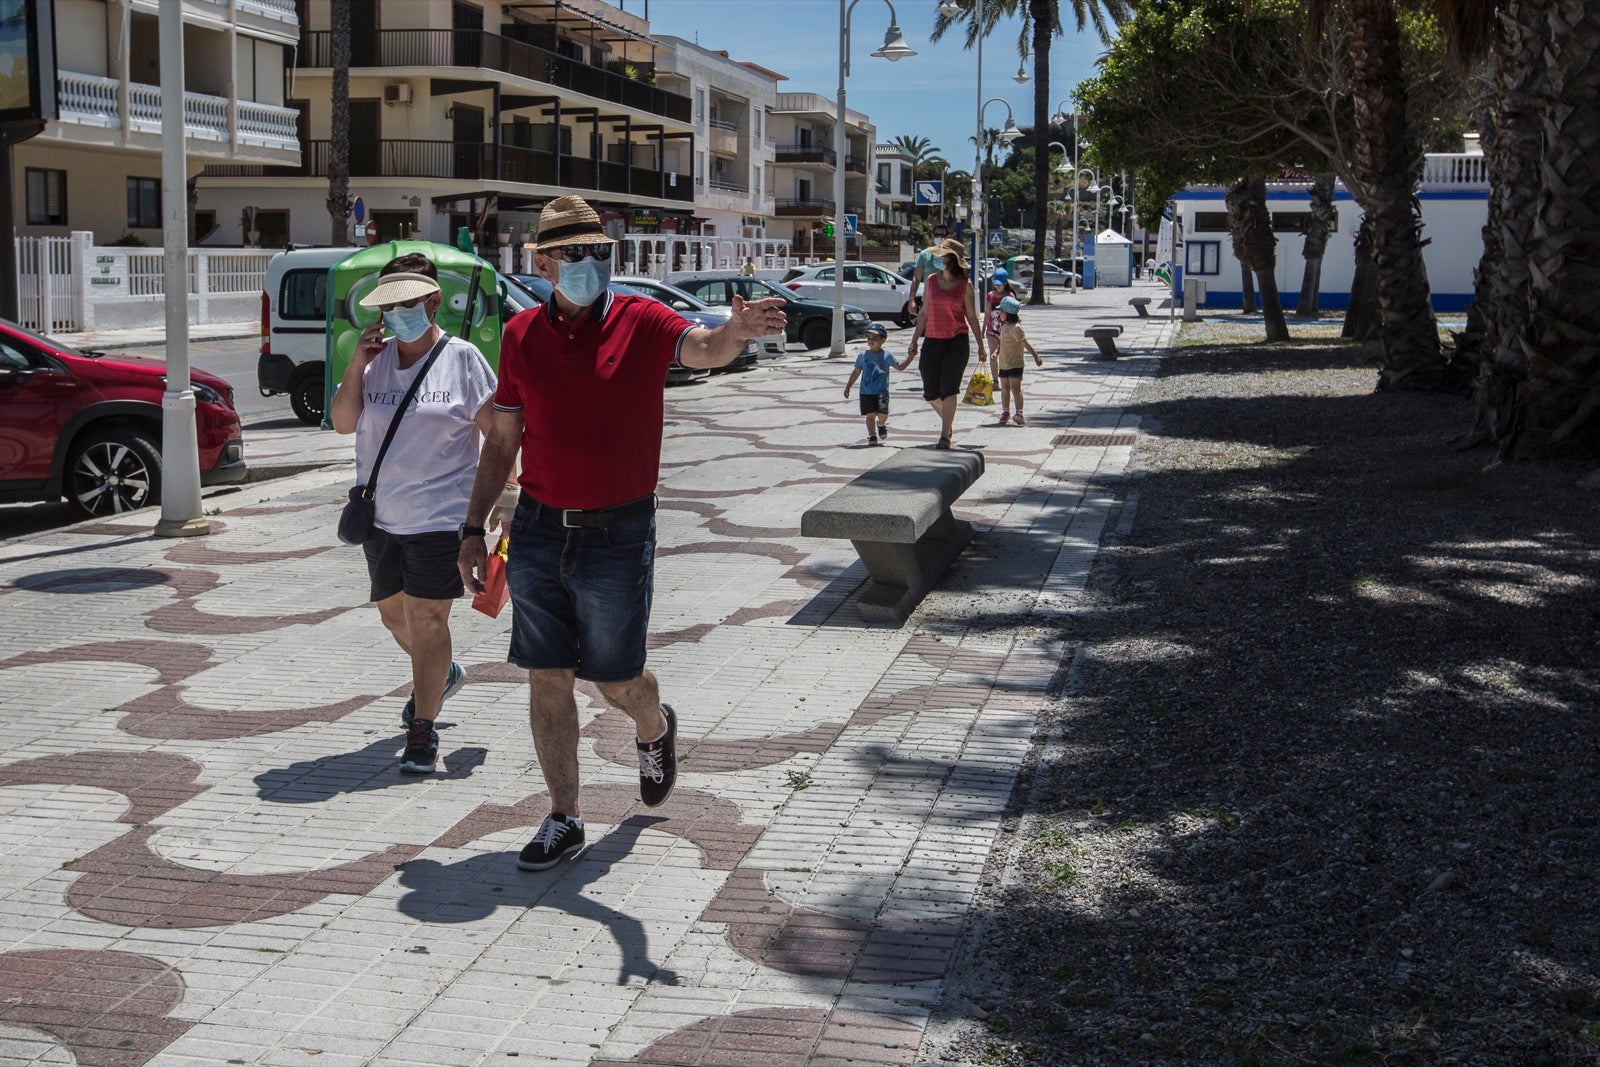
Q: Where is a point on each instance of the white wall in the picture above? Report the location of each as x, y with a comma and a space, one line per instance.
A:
81, 40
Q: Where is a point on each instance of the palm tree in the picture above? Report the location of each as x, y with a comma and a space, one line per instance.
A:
919, 150
1041, 19
339, 135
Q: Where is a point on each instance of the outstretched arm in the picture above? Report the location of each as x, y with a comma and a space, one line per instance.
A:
718, 347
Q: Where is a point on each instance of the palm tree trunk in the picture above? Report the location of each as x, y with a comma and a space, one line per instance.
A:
1247, 288
1514, 157
1044, 27
1389, 162
339, 135
1361, 314
1562, 393
1256, 248
1323, 217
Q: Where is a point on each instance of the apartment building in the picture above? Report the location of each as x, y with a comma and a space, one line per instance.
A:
805, 161
892, 194
97, 166
733, 149
477, 114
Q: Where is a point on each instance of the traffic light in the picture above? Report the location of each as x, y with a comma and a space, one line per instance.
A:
827, 230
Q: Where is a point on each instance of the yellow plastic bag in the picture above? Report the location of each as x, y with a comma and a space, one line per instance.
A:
980, 389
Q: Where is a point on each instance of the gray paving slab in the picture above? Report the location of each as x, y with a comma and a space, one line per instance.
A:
207, 857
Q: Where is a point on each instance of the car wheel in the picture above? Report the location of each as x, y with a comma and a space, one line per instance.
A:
112, 471
305, 396
818, 333
906, 318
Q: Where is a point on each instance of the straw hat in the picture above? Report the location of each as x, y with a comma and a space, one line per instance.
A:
950, 247
569, 220
399, 288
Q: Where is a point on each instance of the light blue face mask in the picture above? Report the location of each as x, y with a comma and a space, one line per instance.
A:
408, 323
583, 282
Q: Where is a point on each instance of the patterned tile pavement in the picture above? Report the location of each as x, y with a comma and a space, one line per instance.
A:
207, 856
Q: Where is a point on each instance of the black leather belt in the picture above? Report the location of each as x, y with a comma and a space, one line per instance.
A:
596, 519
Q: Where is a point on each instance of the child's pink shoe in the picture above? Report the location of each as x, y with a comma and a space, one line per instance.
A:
1005, 417
1019, 420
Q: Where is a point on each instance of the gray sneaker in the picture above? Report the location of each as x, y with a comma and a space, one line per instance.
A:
452, 685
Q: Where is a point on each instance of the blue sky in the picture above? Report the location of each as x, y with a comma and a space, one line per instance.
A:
932, 94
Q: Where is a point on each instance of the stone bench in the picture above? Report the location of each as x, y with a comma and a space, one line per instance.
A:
1141, 304
897, 515
1105, 335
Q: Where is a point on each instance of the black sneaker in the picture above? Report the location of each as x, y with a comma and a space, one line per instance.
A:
558, 837
883, 432
422, 748
658, 762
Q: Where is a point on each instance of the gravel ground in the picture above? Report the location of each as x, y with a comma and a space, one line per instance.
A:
1321, 786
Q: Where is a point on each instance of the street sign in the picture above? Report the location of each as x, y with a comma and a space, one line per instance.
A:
359, 210
996, 238
370, 230
928, 193
850, 226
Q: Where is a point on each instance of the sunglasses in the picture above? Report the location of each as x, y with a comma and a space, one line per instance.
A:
386, 308
579, 253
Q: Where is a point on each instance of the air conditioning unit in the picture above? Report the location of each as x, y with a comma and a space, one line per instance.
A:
397, 93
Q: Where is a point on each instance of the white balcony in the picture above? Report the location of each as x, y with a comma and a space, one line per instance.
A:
92, 100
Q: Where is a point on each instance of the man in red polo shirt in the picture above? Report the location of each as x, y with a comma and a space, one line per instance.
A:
581, 397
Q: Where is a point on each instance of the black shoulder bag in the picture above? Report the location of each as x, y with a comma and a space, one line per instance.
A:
355, 521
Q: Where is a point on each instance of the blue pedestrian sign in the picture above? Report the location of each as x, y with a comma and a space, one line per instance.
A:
928, 193
850, 226
996, 238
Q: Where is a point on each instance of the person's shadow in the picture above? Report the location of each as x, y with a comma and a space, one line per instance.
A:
473, 888
377, 766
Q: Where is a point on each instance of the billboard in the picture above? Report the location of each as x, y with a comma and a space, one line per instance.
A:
27, 61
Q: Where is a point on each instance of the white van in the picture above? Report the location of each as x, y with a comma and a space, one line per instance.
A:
294, 325
294, 328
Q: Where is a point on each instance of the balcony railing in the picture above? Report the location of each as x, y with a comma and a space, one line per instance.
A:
728, 185
1455, 168
722, 124
272, 9
473, 162
91, 100
855, 163
805, 153
803, 208
476, 48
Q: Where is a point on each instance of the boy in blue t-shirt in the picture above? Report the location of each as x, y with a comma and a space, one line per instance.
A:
872, 367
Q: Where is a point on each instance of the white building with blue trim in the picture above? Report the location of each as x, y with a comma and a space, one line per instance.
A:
1454, 195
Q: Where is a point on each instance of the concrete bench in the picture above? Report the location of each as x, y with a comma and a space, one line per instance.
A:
897, 515
1105, 336
1141, 304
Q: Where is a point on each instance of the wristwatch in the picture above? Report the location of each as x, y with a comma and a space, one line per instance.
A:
465, 531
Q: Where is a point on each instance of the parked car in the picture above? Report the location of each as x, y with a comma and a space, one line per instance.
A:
876, 291
87, 426
907, 269
294, 326
810, 321
684, 303
1054, 276
536, 287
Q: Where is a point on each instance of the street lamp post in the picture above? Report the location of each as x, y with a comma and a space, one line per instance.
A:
1061, 117
1009, 134
894, 48
1077, 190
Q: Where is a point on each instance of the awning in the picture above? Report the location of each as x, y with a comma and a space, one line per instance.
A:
586, 22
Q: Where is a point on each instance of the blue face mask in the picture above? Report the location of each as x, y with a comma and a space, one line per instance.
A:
583, 282
408, 323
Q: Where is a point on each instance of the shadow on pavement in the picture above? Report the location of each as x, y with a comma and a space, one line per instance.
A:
374, 767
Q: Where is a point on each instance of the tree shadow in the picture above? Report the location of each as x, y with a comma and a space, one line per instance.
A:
472, 889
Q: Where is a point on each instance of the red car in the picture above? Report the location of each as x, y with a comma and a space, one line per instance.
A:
87, 426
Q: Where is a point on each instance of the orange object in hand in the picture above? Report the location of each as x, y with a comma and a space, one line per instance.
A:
496, 593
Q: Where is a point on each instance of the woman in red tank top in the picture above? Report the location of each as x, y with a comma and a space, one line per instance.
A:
948, 320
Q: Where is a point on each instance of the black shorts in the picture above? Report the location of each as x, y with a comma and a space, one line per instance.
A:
418, 565
1009, 372
874, 403
943, 364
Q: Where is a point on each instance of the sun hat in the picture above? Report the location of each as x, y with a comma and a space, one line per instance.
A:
1009, 305
401, 287
950, 247
1000, 275
569, 220
878, 329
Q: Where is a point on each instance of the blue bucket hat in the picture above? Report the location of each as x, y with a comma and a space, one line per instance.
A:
1009, 305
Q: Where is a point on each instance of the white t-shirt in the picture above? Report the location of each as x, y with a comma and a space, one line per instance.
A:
427, 474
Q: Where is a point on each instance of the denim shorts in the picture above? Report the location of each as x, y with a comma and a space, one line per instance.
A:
422, 565
580, 597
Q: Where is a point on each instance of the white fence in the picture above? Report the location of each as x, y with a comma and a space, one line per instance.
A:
70, 285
